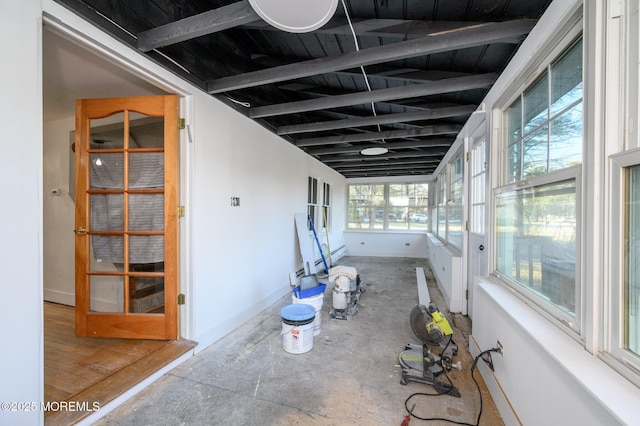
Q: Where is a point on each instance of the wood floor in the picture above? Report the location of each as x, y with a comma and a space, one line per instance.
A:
95, 370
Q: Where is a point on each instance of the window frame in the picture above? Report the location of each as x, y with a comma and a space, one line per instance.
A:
312, 201
573, 325
614, 354
478, 196
385, 208
326, 206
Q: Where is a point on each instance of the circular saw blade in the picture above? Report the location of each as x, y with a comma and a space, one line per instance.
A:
418, 320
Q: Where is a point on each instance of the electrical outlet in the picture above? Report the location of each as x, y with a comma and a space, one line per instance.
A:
499, 347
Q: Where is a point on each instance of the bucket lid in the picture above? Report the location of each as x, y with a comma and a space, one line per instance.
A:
298, 312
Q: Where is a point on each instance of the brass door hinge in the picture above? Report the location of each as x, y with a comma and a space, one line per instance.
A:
181, 123
181, 211
468, 156
467, 226
181, 299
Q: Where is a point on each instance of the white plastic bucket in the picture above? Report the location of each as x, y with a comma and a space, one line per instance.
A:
297, 328
315, 301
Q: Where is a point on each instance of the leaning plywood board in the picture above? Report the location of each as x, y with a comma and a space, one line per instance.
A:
306, 248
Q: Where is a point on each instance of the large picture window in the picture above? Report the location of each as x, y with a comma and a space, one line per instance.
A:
389, 206
536, 214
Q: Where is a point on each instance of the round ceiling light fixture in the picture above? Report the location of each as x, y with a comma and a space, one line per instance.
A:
295, 16
378, 150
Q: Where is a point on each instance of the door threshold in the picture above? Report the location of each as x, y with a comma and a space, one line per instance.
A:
87, 401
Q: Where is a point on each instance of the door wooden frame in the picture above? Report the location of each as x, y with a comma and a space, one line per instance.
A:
128, 325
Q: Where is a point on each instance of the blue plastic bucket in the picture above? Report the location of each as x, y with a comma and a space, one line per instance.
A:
297, 328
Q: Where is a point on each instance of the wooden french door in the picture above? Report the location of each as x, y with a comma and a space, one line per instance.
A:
126, 234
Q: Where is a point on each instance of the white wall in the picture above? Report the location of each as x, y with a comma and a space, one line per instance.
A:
446, 265
243, 255
544, 377
386, 243
21, 375
58, 214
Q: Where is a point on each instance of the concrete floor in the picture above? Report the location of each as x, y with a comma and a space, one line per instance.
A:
351, 376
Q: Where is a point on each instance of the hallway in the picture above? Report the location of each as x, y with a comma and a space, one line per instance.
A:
350, 377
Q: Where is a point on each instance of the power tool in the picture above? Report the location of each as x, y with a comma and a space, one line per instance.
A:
419, 363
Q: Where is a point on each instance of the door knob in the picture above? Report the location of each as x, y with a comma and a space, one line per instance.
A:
80, 230
481, 247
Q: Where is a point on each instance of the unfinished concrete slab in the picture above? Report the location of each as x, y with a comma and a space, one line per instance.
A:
351, 376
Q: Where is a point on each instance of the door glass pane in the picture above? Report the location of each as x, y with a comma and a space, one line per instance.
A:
145, 131
632, 261
146, 212
107, 212
108, 248
146, 294
146, 249
106, 293
107, 133
107, 170
146, 170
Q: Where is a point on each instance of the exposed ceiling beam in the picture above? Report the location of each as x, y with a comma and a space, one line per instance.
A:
387, 163
478, 35
389, 134
428, 143
432, 114
387, 28
208, 22
389, 173
357, 157
385, 168
403, 92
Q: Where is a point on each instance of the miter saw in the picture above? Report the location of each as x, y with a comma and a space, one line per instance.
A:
419, 363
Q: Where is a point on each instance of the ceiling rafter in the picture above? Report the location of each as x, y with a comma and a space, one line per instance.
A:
463, 38
205, 23
403, 92
424, 77
431, 114
425, 143
357, 158
444, 129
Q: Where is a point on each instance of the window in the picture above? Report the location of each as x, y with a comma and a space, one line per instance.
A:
408, 206
478, 171
364, 202
326, 205
631, 253
455, 214
535, 240
536, 214
448, 212
312, 200
441, 218
624, 309
389, 206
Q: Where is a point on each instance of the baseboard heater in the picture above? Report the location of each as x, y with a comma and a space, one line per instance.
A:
318, 262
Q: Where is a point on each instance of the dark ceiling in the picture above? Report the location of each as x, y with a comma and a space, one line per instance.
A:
408, 81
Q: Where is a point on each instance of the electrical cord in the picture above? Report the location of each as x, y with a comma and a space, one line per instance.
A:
473, 367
